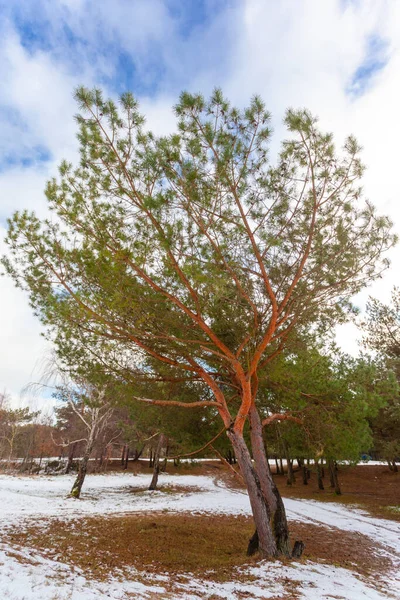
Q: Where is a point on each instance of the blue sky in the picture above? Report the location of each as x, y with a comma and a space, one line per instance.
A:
338, 58
376, 57
141, 60
149, 46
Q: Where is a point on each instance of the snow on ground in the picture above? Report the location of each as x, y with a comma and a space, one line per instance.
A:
24, 575
104, 494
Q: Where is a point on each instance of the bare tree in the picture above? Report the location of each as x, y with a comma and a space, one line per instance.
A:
93, 408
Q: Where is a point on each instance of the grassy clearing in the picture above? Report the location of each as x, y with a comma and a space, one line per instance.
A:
157, 542
207, 546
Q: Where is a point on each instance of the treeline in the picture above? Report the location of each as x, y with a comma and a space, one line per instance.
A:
318, 408
25, 437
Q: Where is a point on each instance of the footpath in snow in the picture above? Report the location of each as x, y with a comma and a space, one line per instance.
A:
26, 576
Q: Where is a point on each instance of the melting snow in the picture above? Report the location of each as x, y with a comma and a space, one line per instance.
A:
24, 575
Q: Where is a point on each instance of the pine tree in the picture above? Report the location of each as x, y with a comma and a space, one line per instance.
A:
193, 252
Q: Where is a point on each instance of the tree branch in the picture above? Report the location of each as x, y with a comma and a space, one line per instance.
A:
281, 417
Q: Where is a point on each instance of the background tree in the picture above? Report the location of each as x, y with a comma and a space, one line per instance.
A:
11, 422
92, 406
382, 335
35, 441
382, 328
193, 252
335, 395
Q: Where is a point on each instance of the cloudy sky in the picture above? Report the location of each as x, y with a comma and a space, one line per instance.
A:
339, 58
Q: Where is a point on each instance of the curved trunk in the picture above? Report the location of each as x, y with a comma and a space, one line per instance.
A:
71, 455
138, 454
270, 491
157, 455
83, 465
266, 543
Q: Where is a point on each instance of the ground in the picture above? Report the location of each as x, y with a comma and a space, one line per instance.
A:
187, 540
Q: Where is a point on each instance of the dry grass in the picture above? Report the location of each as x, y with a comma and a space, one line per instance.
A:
373, 488
157, 542
203, 545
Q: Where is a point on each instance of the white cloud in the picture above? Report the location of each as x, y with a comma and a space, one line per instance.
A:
21, 343
41, 93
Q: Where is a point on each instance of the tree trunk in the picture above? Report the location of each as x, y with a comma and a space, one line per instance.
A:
305, 475
278, 471
156, 471
334, 477
319, 476
70, 460
123, 456
126, 458
138, 454
266, 542
282, 467
78, 483
151, 458
303, 469
106, 459
101, 457
270, 492
10, 453
395, 468
298, 549
290, 475
331, 474
163, 467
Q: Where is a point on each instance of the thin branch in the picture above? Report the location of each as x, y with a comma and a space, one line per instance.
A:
281, 417
238, 475
177, 403
202, 448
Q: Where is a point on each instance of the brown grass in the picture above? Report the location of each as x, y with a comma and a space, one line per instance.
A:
202, 545
156, 542
373, 488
